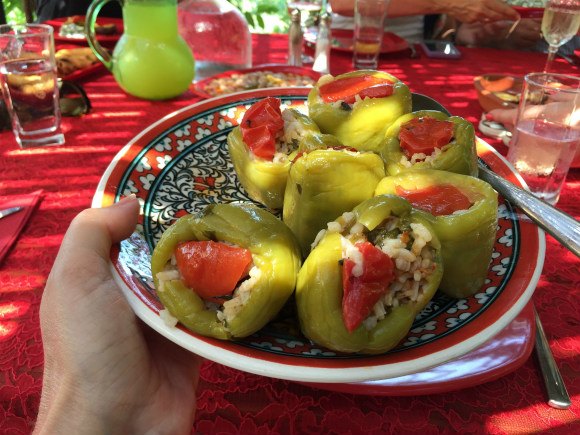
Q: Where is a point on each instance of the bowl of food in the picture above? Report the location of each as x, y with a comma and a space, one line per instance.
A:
263, 76
498, 91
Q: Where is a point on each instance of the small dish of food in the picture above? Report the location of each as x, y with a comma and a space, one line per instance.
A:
496, 91
73, 63
263, 76
71, 30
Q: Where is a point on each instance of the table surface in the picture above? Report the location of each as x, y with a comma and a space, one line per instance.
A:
231, 401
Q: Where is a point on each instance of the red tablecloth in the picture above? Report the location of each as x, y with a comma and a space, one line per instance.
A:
231, 401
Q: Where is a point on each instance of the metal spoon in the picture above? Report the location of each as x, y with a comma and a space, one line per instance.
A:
557, 394
563, 227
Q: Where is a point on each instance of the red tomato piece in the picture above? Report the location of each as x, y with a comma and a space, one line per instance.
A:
260, 126
346, 89
378, 91
361, 293
440, 200
423, 135
261, 141
211, 268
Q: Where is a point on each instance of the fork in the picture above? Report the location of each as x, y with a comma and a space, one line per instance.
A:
557, 394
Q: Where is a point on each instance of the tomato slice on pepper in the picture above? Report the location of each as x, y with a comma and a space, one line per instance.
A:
260, 125
346, 89
440, 200
361, 293
424, 134
211, 268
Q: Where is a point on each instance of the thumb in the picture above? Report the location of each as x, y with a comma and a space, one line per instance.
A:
96, 229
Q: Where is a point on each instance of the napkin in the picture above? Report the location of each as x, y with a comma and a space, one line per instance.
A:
11, 226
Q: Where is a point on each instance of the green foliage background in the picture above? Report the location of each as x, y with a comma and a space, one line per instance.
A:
14, 11
264, 16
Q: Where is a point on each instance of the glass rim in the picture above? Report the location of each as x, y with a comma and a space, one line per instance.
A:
532, 78
6, 28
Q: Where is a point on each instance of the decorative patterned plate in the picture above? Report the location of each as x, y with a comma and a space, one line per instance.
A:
180, 164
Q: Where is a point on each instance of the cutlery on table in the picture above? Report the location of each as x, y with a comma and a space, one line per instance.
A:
8, 211
563, 227
557, 394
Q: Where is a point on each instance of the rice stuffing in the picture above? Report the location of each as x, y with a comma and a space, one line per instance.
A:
289, 139
409, 248
422, 157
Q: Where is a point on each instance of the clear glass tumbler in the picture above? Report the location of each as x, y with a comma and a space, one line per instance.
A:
29, 83
547, 132
369, 20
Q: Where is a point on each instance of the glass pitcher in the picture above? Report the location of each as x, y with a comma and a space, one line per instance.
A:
151, 60
217, 33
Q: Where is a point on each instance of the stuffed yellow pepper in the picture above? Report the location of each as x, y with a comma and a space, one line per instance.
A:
263, 145
463, 212
429, 139
359, 106
226, 272
370, 273
323, 184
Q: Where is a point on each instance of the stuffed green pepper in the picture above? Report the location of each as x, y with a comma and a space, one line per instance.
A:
263, 145
429, 139
323, 184
369, 275
463, 212
227, 271
359, 106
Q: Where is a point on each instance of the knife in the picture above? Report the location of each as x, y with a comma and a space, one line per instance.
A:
9, 211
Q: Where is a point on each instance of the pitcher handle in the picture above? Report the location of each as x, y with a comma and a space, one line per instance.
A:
93, 11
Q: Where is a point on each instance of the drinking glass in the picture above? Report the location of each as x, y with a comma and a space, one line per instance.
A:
559, 25
369, 20
547, 132
29, 83
309, 12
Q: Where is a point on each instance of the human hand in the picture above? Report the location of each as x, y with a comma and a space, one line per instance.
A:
471, 11
525, 35
497, 34
106, 372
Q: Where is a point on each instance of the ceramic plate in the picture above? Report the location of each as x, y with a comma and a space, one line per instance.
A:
180, 164
499, 356
204, 87
341, 40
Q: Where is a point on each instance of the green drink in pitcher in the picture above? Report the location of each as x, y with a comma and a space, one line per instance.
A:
151, 60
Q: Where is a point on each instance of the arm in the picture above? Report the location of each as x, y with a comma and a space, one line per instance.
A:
464, 10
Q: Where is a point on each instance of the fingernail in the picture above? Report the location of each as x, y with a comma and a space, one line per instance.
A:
127, 198
489, 117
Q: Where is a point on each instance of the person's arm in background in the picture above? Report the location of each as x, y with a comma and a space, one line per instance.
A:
105, 372
466, 11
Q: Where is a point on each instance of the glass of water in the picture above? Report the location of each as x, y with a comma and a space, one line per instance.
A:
369, 19
29, 83
547, 132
